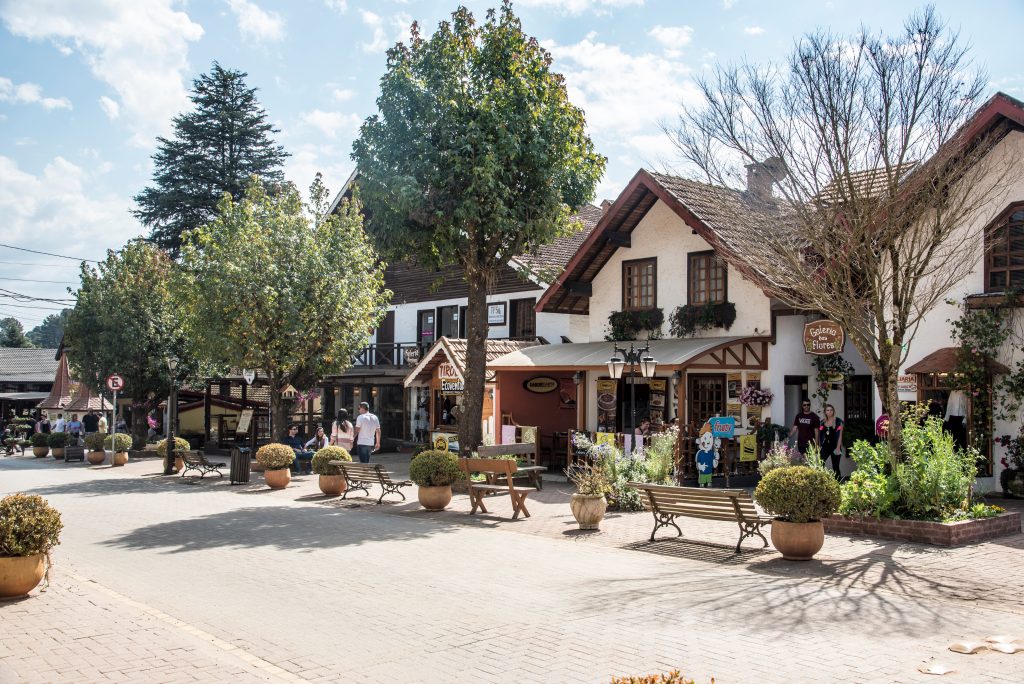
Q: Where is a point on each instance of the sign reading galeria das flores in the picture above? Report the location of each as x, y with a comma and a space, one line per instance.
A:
451, 383
823, 337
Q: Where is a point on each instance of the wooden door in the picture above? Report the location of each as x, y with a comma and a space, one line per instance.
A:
386, 341
706, 398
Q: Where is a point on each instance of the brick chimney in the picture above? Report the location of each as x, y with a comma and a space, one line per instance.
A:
762, 175
605, 206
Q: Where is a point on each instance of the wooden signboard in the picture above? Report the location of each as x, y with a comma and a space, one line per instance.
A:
823, 337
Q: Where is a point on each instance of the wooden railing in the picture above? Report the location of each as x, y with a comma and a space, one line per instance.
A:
389, 355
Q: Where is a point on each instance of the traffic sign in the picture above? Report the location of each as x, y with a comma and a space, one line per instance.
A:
115, 383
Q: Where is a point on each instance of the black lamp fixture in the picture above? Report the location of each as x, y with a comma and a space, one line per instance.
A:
633, 358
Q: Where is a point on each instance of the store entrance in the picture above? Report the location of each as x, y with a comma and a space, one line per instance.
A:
705, 398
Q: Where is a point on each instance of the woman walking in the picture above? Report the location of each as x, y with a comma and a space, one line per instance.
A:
342, 432
830, 437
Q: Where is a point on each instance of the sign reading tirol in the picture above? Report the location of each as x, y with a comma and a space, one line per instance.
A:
541, 385
823, 337
450, 382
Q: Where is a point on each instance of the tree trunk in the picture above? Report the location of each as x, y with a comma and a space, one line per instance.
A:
470, 434
278, 413
140, 427
887, 390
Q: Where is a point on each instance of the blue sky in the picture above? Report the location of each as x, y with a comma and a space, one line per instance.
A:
87, 85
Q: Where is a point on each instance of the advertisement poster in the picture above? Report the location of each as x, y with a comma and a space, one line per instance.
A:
656, 404
605, 438
445, 441
734, 386
244, 420
607, 405
566, 393
735, 410
754, 380
748, 447
753, 415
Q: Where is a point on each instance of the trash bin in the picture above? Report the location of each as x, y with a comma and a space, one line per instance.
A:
239, 465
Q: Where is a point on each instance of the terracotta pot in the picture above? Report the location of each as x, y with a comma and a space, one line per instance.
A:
120, 458
57, 452
797, 541
41, 451
277, 479
435, 498
97, 457
20, 574
588, 510
332, 485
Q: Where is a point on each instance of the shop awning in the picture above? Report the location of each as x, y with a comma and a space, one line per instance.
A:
453, 351
24, 396
711, 352
944, 361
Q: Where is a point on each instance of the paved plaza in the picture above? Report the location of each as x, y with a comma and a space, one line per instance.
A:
159, 580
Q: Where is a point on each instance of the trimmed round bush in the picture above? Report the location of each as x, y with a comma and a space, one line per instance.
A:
179, 445
58, 440
39, 439
322, 459
28, 525
798, 494
118, 442
275, 456
435, 468
94, 441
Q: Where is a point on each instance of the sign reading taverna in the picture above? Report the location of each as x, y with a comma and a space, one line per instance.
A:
823, 337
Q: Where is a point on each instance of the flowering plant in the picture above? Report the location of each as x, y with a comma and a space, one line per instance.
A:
1014, 451
755, 396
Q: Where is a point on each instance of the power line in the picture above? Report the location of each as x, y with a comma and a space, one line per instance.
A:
11, 294
31, 280
52, 264
39, 308
14, 314
33, 251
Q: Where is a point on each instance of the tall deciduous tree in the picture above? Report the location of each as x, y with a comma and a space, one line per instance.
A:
49, 333
215, 149
125, 322
272, 285
12, 334
875, 206
475, 156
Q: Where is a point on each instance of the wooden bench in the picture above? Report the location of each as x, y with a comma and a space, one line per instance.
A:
196, 460
667, 502
500, 467
532, 471
74, 453
363, 475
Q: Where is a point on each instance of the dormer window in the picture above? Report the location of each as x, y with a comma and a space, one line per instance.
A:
706, 279
1004, 254
639, 284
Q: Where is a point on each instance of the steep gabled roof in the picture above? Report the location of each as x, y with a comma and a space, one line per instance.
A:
454, 350
63, 387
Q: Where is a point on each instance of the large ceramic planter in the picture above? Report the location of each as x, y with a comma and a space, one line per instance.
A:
797, 541
277, 479
97, 457
332, 485
20, 574
120, 458
41, 451
588, 510
435, 498
57, 452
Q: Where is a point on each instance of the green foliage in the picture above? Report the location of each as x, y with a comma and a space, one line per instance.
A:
269, 285
215, 150
660, 457
12, 334
94, 441
28, 525
275, 456
869, 491
590, 479
779, 456
179, 445
686, 320
40, 439
626, 325
673, 677
321, 460
48, 334
798, 494
435, 468
119, 442
827, 366
977, 511
58, 440
770, 432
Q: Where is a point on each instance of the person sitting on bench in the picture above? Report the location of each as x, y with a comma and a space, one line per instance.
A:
303, 462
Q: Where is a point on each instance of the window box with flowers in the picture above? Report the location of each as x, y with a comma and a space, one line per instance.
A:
624, 326
688, 319
755, 396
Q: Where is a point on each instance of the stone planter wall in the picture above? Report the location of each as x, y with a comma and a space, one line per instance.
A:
924, 532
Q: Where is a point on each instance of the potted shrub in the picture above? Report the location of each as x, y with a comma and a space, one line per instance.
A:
276, 460
29, 528
119, 444
94, 443
434, 471
799, 497
40, 446
589, 504
332, 482
57, 441
179, 445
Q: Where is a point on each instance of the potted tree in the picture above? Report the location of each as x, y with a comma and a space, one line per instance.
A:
332, 482
57, 442
119, 444
94, 443
179, 445
434, 471
799, 497
276, 460
40, 447
588, 504
29, 528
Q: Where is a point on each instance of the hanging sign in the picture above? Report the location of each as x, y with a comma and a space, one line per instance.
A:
450, 382
823, 337
248, 374
906, 384
541, 384
445, 441
115, 383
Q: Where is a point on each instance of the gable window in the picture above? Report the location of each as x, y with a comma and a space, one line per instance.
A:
706, 279
639, 284
1004, 259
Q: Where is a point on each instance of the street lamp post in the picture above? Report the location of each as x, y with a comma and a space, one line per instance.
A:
632, 358
172, 401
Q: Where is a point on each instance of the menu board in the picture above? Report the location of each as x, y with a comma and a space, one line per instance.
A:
734, 386
607, 405
656, 404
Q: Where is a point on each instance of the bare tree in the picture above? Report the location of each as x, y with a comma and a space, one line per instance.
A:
864, 139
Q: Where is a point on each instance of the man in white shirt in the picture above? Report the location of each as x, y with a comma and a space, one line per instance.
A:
367, 433
59, 425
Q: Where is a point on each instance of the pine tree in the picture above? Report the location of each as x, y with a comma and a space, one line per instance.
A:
12, 334
215, 149
47, 335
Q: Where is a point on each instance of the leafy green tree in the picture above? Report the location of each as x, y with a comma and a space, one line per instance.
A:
286, 289
475, 156
48, 334
125, 322
12, 334
214, 151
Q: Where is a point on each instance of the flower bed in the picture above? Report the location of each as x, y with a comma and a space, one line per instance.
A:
957, 533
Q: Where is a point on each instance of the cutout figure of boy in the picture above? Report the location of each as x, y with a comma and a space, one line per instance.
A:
707, 455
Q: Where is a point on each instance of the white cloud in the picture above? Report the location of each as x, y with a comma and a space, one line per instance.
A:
308, 159
330, 124
110, 107
255, 23
29, 93
386, 32
728, 4
139, 49
672, 36
577, 7
753, 30
340, 6
343, 94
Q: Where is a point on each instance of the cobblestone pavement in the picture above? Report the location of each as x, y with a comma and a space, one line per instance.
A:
160, 580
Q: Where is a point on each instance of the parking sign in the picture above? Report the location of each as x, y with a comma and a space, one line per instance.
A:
115, 383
